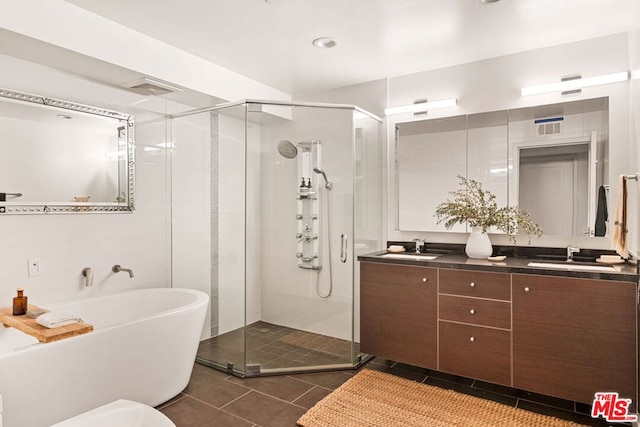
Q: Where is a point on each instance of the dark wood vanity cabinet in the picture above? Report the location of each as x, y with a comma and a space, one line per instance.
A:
559, 336
574, 337
398, 313
474, 324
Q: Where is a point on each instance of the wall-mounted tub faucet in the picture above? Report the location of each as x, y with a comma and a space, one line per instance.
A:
87, 272
118, 268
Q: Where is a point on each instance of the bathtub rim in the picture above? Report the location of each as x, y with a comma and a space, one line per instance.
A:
201, 299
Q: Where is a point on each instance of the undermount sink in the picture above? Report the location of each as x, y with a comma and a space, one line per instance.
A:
572, 266
409, 256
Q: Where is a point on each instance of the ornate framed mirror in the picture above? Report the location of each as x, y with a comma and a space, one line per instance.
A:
59, 156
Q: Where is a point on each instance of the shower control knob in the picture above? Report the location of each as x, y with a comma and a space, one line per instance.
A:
299, 255
298, 216
307, 227
298, 235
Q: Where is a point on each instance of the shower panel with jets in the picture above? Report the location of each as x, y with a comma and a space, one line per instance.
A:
293, 194
309, 206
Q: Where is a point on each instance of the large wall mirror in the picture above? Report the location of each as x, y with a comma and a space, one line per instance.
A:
551, 160
58, 156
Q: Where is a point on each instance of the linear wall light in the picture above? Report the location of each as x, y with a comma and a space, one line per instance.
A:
420, 107
575, 84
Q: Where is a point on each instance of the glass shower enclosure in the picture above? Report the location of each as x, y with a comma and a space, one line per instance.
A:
272, 204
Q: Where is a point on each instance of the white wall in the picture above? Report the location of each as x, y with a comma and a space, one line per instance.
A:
65, 244
190, 213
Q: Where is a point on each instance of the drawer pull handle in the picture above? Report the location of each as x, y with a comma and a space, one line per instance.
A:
472, 311
526, 289
472, 284
424, 279
472, 339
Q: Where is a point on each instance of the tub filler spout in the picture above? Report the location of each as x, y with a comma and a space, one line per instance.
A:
118, 268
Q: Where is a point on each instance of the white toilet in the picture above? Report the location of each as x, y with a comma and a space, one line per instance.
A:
119, 413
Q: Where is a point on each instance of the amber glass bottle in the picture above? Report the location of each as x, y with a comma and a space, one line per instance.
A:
20, 303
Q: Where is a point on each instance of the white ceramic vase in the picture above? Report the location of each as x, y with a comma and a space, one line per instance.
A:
478, 245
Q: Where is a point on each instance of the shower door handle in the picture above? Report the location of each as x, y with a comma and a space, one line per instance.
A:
343, 248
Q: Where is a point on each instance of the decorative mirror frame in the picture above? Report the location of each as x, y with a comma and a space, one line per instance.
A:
78, 207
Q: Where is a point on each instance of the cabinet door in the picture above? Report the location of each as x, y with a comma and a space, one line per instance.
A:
574, 337
398, 311
476, 352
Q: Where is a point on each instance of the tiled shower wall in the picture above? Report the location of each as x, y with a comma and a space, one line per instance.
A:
208, 224
210, 242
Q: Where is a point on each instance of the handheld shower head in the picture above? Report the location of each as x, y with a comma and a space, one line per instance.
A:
328, 185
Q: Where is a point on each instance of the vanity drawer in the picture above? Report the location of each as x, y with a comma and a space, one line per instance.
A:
475, 352
401, 275
480, 284
476, 311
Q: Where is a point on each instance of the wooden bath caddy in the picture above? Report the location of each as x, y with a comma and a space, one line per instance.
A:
31, 327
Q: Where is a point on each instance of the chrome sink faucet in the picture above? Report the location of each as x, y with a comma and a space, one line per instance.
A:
570, 251
419, 244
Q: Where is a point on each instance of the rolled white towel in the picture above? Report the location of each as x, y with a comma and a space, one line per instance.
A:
54, 319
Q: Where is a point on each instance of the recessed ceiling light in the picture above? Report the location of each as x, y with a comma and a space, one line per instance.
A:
64, 116
325, 42
487, 1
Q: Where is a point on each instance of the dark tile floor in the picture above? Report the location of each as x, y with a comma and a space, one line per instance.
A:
272, 346
214, 398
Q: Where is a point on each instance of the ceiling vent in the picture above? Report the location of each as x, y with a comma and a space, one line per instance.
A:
148, 86
549, 126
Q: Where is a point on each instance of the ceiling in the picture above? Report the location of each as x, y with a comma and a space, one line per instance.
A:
270, 40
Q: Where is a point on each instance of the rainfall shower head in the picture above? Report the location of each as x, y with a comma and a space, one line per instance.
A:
328, 185
287, 149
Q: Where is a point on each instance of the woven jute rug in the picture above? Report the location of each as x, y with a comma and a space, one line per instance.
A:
376, 399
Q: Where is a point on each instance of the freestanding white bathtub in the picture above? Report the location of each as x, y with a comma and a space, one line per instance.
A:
142, 348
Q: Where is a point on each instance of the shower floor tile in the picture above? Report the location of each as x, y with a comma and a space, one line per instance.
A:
273, 346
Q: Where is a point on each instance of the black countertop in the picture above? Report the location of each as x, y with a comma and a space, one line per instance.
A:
626, 272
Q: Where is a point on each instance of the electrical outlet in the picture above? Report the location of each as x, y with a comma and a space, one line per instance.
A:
34, 267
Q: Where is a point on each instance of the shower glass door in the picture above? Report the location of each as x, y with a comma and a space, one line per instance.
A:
299, 271
271, 204
208, 229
